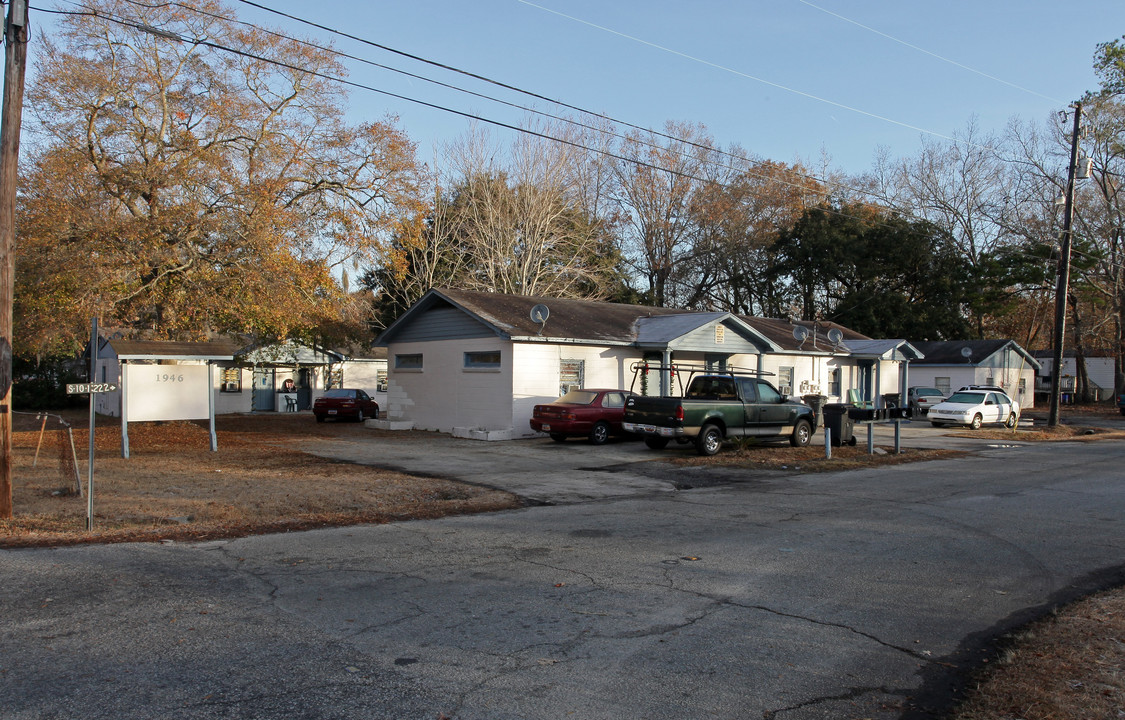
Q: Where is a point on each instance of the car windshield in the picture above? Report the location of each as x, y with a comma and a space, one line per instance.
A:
349, 394
578, 397
927, 392
968, 398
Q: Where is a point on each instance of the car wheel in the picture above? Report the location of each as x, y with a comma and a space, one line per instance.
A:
599, 433
802, 434
709, 441
320, 418
359, 416
656, 443
1012, 421
558, 437
977, 422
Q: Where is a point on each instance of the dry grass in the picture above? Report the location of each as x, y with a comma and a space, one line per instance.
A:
1067, 666
174, 487
809, 459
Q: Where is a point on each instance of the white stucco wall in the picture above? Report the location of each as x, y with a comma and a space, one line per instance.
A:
444, 394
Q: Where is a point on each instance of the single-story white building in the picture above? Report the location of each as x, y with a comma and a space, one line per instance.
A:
475, 363
1099, 369
247, 377
952, 364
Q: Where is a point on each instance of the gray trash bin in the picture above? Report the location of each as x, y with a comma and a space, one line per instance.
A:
839, 423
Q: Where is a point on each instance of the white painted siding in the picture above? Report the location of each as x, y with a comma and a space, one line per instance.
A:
536, 378
364, 375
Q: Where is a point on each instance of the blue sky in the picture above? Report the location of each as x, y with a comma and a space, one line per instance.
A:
785, 79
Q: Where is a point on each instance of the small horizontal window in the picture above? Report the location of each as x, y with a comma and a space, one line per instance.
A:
408, 362
488, 359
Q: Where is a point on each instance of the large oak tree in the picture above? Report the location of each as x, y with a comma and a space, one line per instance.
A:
199, 177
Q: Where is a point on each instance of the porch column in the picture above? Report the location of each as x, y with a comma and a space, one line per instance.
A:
666, 375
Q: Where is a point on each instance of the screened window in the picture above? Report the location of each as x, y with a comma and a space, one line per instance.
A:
942, 383
834, 382
482, 360
412, 361
785, 379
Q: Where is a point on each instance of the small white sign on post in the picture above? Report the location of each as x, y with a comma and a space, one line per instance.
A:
166, 392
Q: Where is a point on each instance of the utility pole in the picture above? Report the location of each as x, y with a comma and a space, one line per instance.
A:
15, 62
1062, 287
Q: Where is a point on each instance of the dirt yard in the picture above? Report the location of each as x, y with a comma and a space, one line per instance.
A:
174, 487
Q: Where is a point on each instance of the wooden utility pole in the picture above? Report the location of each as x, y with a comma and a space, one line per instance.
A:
1062, 288
15, 62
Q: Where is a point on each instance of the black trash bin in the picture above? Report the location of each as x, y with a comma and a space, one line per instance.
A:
839, 423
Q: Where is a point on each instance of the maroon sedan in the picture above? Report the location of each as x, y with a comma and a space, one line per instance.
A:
594, 414
341, 402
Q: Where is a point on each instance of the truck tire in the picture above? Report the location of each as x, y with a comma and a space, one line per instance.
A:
802, 434
656, 443
709, 441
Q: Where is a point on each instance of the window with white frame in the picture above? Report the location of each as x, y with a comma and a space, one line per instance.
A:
785, 379
834, 382
942, 383
570, 375
482, 360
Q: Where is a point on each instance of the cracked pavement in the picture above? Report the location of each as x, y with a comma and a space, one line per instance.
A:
865, 594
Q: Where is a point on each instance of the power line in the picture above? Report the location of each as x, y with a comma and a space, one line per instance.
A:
578, 145
685, 141
931, 54
740, 73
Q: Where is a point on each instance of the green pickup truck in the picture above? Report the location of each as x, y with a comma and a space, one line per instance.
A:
717, 406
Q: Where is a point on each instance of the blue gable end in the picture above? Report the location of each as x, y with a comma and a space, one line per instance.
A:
442, 323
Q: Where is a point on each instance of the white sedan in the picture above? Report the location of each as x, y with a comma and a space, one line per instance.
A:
975, 408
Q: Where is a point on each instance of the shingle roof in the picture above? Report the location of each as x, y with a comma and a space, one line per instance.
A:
950, 352
610, 323
153, 349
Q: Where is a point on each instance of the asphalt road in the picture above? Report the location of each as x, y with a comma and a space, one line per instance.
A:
865, 594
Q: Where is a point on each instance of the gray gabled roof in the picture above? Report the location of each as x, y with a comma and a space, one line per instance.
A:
968, 352
603, 323
884, 350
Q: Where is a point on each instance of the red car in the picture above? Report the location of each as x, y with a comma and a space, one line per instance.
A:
342, 402
594, 414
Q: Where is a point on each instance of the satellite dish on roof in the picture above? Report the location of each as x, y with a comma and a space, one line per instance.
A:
966, 352
835, 336
800, 334
539, 314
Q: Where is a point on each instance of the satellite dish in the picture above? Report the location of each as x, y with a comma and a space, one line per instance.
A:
540, 313
966, 352
835, 336
800, 333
